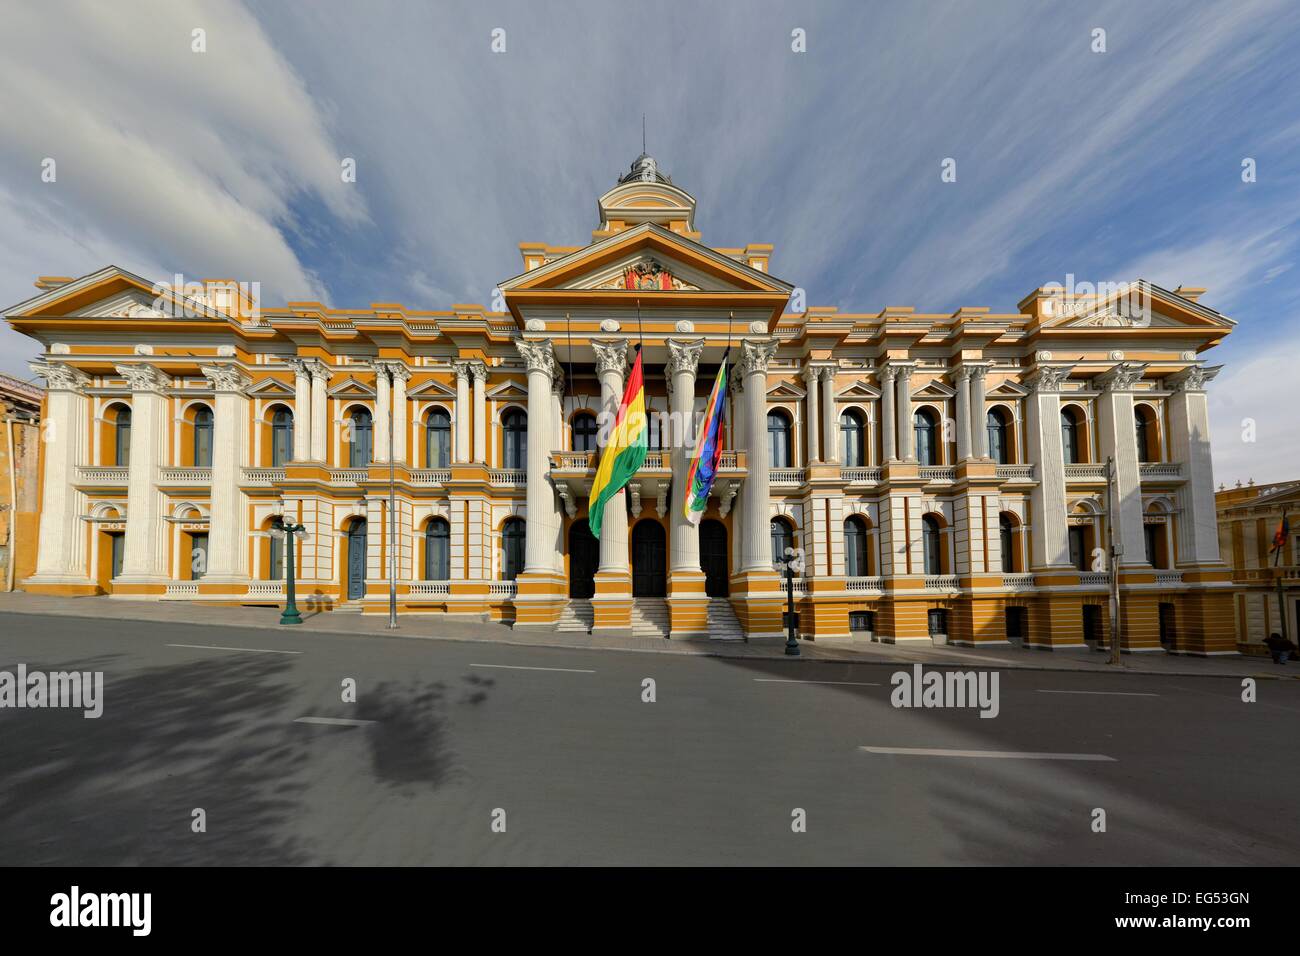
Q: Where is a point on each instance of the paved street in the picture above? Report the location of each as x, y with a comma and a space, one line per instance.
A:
443, 733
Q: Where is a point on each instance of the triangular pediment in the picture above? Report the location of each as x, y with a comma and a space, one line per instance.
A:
1139, 305
1007, 390
859, 390
508, 389
934, 389
114, 293
432, 389
786, 390
649, 259
351, 388
270, 387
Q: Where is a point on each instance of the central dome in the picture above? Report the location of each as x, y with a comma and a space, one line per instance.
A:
645, 170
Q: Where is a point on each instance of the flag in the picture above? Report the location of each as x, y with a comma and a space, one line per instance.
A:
708, 450
1280, 535
624, 452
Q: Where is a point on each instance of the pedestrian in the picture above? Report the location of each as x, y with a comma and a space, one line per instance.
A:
1280, 648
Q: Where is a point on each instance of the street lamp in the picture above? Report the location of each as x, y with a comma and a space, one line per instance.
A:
792, 563
288, 531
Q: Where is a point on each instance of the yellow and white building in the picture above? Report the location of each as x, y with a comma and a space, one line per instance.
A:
942, 472
1267, 580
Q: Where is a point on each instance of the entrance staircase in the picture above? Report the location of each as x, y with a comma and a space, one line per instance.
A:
577, 617
723, 623
650, 617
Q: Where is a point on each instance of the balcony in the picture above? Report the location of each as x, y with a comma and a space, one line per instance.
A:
100, 475
941, 582
1017, 582
938, 473
263, 477
572, 473
867, 585
1169, 578
861, 476
424, 477
787, 477
1092, 579
508, 478
1085, 471
185, 476
1161, 470
348, 476
1015, 472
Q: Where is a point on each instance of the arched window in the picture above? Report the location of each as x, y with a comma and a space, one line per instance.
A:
512, 548
202, 437
437, 438
927, 448
932, 539
360, 448
851, 439
281, 436
584, 432
999, 434
122, 436
1148, 434
1007, 534
1071, 445
515, 428
437, 551
856, 559
782, 538
778, 440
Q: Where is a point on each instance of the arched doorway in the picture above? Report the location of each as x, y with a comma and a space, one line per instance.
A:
356, 559
584, 560
649, 564
713, 557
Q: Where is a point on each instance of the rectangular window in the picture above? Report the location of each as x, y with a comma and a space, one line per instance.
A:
862, 621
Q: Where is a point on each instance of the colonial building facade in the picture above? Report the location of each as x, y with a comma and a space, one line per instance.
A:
944, 474
1268, 579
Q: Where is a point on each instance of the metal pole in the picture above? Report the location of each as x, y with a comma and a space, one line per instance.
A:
291, 614
1281, 592
1113, 553
791, 641
392, 513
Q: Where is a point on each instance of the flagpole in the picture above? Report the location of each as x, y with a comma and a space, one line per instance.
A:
1279, 573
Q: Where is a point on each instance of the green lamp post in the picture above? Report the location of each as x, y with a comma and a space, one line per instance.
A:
281, 529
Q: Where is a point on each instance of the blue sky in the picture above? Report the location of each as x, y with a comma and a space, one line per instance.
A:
1111, 165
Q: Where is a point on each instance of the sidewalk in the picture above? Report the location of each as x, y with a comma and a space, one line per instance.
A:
439, 627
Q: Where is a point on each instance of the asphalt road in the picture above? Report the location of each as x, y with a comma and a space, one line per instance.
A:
445, 734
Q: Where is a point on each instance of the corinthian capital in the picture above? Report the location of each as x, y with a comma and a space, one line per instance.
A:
1048, 378
1192, 378
479, 371
60, 378
1121, 377
143, 378
393, 369
225, 377
754, 356
683, 357
538, 356
610, 357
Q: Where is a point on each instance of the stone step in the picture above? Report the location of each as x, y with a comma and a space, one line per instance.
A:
576, 617
650, 617
723, 623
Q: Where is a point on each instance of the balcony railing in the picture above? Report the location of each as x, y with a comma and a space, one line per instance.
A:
266, 589
431, 587
263, 476
503, 588
861, 476
182, 589
1015, 472
185, 476
1017, 582
431, 476
1169, 578
864, 584
1094, 578
787, 476
348, 476
1158, 470
508, 477
103, 475
939, 472
1085, 470
941, 582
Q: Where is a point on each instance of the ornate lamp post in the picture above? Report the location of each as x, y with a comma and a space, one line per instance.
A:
287, 531
792, 563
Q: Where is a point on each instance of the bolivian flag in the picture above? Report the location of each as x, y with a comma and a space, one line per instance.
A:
625, 451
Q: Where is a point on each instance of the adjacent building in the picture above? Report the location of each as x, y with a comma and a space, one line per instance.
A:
1268, 580
944, 474
20, 417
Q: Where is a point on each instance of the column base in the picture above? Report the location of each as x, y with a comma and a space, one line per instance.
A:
539, 598
688, 605
60, 585
759, 600
612, 606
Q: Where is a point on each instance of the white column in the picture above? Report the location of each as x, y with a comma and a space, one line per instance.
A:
60, 553
320, 377
888, 420
1189, 444
830, 418
811, 376
611, 363
383, 409
543, 522
145, 556
903, 411
480, 372
757, 553
554, 442
978, 424
301, 409
964, 417
683, 362
1117, 431
401, 374
462, 412
1051, 546
228, 521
